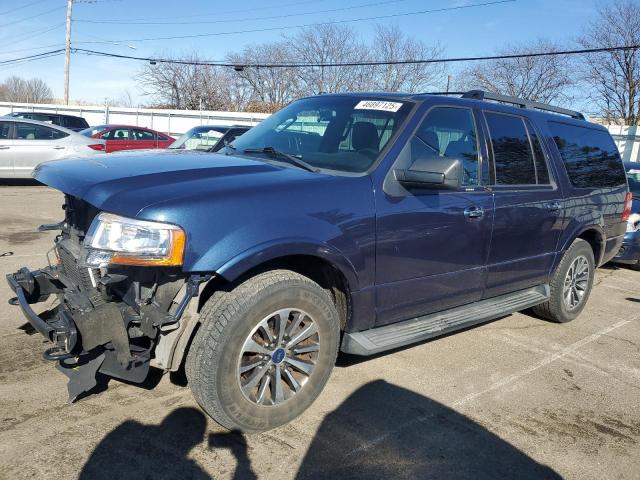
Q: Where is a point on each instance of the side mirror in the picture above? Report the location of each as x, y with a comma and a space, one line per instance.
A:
437, 173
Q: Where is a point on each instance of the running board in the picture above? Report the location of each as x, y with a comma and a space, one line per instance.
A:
415, 330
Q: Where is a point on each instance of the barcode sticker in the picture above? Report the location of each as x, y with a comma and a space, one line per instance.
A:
378, 105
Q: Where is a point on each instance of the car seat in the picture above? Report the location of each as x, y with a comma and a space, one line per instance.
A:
364, 136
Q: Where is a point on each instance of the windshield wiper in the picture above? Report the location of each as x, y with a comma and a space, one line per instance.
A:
272, 152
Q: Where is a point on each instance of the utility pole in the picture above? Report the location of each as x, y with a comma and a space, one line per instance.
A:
67, 52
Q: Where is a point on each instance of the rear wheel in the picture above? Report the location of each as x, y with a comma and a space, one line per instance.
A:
264, 351
570, 285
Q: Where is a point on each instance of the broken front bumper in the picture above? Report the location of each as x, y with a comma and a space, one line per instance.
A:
87, 338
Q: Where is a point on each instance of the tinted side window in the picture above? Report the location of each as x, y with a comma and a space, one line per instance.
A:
143, 135
542, 170
5, 128
75, 122
116, 134
449, 132
27, 131
590, 156
43, 117
512, 154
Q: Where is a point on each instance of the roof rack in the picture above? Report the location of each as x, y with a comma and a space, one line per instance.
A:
520, 102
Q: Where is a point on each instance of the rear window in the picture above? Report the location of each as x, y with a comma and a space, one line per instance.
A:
75, 122
590, 156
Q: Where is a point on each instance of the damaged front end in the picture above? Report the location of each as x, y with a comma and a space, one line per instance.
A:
114, 302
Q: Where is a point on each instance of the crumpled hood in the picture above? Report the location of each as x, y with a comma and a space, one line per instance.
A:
127, 182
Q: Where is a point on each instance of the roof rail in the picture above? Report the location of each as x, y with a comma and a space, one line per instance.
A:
521, 102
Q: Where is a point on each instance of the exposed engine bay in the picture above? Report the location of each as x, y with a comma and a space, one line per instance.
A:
104, 320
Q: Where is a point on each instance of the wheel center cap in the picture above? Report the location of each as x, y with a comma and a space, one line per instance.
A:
278, 356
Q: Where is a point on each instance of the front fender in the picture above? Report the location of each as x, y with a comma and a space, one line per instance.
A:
344, 245
265, 252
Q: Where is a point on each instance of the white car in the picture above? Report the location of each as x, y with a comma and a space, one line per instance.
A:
26, 143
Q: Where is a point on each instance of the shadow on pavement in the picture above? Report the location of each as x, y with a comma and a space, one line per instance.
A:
19, 182
381, 431
137, 451
384, 431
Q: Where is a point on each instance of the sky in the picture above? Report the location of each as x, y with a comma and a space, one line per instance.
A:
28, 27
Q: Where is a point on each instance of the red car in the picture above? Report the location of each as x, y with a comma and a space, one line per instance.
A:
125, 137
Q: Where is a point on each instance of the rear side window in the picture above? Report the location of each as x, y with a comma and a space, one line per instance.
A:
116, 134
28, 131
143, 135
590, 156
512, 153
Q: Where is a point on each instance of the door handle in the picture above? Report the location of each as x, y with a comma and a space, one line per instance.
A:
59, 147
4, 147
474, 212
553, 206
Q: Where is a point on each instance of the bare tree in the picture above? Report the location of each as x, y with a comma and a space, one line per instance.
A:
614, 76
390, 44
324, 44
187, 86
544, 79
271, 88
16, 89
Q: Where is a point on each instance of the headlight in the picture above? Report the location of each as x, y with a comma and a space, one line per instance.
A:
126, 241
633, 222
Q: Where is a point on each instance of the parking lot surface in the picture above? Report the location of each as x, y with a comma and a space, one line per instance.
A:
514, 398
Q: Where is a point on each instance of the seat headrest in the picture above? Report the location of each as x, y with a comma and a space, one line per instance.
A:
364, 135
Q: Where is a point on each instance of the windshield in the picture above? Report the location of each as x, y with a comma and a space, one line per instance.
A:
330, 132
199, 138
633, 175
91, 131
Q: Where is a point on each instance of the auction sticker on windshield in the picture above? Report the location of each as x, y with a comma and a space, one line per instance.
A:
378, 105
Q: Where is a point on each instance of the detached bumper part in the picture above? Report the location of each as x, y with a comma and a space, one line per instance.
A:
57, 327
86, 341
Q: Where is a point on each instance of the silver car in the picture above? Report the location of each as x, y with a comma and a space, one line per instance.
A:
26, 143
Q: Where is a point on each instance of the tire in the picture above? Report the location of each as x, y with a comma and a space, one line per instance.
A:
558, 308
233, 334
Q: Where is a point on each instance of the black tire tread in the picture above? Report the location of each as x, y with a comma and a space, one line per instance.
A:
217, 314
549, 309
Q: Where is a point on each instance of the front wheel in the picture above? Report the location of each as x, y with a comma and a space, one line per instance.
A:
264, 351
570, 285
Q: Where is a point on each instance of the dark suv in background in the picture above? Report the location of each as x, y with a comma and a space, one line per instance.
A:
68, 121
355, 222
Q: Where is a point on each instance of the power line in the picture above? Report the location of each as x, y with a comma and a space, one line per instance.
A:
249, 19
36, 56
22, 7
13, 22
334, 22
33, 48
199, 15
240, 66
36, 33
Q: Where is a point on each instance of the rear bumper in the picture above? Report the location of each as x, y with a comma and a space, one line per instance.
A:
630, 250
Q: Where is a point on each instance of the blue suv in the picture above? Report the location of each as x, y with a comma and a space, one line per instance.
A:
359, 222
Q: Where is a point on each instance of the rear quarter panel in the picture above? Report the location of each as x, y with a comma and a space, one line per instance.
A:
597, 209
